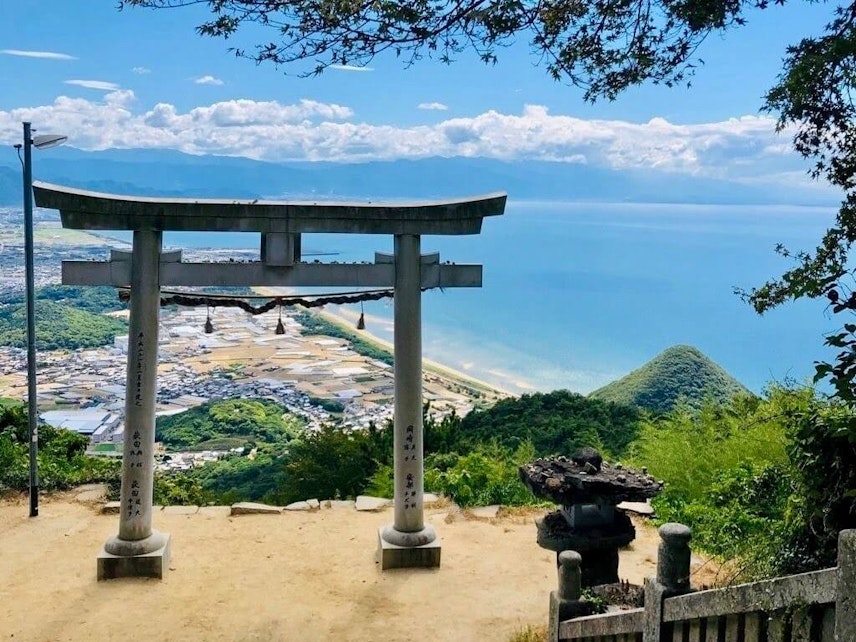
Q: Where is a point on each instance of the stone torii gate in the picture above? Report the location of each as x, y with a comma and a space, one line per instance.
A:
137, 549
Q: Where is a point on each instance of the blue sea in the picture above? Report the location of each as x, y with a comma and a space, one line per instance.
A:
578, 294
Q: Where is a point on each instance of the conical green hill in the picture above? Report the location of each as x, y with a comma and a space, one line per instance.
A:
678, 373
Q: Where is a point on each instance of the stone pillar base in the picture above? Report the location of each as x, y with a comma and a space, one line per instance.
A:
146, 565
392, 556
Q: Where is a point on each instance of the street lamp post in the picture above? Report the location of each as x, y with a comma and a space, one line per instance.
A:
39, 142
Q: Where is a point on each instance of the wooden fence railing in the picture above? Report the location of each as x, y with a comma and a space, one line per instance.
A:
810, 607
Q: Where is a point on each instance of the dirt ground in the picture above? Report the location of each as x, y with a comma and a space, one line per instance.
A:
295, 576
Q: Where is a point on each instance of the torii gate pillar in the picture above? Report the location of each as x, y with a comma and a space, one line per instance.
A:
408, 541
138, 550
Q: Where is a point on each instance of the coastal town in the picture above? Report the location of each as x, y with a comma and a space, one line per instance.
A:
321, 379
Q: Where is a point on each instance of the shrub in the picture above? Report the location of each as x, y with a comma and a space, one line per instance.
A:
487, 475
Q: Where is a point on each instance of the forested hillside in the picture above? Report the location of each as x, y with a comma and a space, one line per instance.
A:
61, 459
557, 422
225, 424
679, 374
66, 317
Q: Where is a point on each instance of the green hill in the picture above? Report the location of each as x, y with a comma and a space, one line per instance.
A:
678, 373
66, 317
228, 423
58, 326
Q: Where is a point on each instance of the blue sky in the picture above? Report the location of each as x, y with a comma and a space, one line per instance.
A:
143, 78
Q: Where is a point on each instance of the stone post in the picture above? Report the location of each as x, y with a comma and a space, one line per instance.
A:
673, 558
408, 542
138, 550
845, 599
570, 577
673, 578
565, 603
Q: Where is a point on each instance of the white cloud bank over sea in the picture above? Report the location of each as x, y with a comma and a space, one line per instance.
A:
745, 148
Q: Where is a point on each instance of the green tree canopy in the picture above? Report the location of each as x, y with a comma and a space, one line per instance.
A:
557, 422
229, 423
604, 46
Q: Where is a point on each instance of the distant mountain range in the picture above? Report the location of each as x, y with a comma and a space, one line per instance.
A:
678, 374
147, 172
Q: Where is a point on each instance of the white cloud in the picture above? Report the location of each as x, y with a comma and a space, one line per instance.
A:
745, 148
432, 106
141, 70
207, 80
48, 55
349, 68
94, 84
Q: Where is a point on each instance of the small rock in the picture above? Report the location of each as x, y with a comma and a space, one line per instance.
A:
111, 508
298, 506
252, 508
181, 510
366, 502
314, 504
430, 498
91, 493
215, 511
589, 468
485, 512
340, 503
552, 483
587, 455
640, 508
620, 479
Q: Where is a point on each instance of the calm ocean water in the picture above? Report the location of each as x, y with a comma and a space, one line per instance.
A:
576, 295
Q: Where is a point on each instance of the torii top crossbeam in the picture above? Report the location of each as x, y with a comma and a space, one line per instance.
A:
81, 209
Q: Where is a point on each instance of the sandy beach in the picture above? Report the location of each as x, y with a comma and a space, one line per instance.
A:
427, 364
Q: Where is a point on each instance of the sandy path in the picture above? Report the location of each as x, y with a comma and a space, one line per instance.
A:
296, 576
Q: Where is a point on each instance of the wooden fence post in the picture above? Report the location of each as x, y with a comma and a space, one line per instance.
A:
845, 594
673, 577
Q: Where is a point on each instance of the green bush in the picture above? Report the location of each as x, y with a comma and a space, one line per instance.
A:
177, 490
487, 475
238, 420
382, 482
728, 476
822, 449
690, 450
326, 464
237, 478
62, 462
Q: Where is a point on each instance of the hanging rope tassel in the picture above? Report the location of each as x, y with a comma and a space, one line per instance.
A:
361, 323
280, 329
209, 327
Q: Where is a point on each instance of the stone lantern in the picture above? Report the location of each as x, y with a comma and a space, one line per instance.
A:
588, 522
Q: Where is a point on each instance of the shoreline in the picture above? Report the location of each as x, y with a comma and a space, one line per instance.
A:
428, 365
